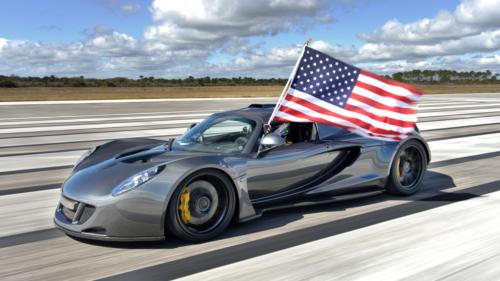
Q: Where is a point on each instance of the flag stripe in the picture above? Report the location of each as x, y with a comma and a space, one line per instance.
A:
311, 108
383, 93
382, 112
385, 119
326, 108
285, 118
389, 88
376, 104
391, 82
382, 100
291, 116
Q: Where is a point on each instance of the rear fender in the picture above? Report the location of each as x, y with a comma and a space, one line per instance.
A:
412, 137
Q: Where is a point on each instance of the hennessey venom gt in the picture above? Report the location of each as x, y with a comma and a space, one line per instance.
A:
226, 168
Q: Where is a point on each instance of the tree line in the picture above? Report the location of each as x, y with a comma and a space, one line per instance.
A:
413, 76
446, 76
143, 81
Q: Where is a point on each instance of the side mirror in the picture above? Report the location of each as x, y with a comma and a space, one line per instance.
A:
270, 141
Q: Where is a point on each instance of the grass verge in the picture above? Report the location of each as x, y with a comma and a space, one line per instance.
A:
97, 93
49, 94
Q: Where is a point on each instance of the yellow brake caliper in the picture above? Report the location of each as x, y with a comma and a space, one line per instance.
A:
397, 170
184, 206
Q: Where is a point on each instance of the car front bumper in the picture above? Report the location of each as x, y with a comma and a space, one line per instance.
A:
132, 217
102, 237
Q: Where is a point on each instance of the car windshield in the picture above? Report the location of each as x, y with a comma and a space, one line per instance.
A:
227, 134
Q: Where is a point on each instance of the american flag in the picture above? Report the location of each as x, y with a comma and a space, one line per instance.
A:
329, 91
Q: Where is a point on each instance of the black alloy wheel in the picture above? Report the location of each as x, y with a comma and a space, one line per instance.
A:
202, 206
408, 169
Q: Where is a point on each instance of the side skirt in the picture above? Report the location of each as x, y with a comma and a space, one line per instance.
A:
317, 201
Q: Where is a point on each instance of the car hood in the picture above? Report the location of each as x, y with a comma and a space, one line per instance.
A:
116, 161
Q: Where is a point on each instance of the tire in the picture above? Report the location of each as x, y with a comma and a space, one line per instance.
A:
408, 169
207, 210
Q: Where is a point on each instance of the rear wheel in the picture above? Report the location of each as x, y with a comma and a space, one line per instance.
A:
202, 206
408, 169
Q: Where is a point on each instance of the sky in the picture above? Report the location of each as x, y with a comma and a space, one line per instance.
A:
231, 38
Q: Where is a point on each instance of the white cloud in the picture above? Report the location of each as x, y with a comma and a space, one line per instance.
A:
198, 23
183, 33
202, 37
482, 42
106, 42
130, 8
472, 28
3, 42
485, 13
443, 26
122, 6
488, 62
471, 17
104, 53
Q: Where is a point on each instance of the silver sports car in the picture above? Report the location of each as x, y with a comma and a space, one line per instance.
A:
227, 169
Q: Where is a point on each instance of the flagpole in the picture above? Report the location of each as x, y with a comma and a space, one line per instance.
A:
267, 127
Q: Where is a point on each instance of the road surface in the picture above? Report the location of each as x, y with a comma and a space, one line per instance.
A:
450, 230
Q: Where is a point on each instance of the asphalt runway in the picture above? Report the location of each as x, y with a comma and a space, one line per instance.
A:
448, 231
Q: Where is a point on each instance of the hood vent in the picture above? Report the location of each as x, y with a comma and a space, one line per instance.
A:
132, 152
141, 155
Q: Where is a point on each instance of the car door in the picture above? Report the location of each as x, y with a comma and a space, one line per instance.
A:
288, 167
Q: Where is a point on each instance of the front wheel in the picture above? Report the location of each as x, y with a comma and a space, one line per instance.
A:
408, 169
201, 207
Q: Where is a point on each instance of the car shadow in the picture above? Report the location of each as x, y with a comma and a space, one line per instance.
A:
236, 229
433, 189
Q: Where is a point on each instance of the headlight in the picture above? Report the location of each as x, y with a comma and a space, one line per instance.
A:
135, 181
85, 155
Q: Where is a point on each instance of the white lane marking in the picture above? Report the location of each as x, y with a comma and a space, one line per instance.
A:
472, 97
465, 146
424, 105
47, 160
130, 101
62, 121
29, 216
32, 140
431, 245
8, 142
58, 117
158, 115
456, 112
461, 106
55, 159
441, 150
52, 159
26, 212
59, 121
462, 95
41, 160
447, 124
94, 126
